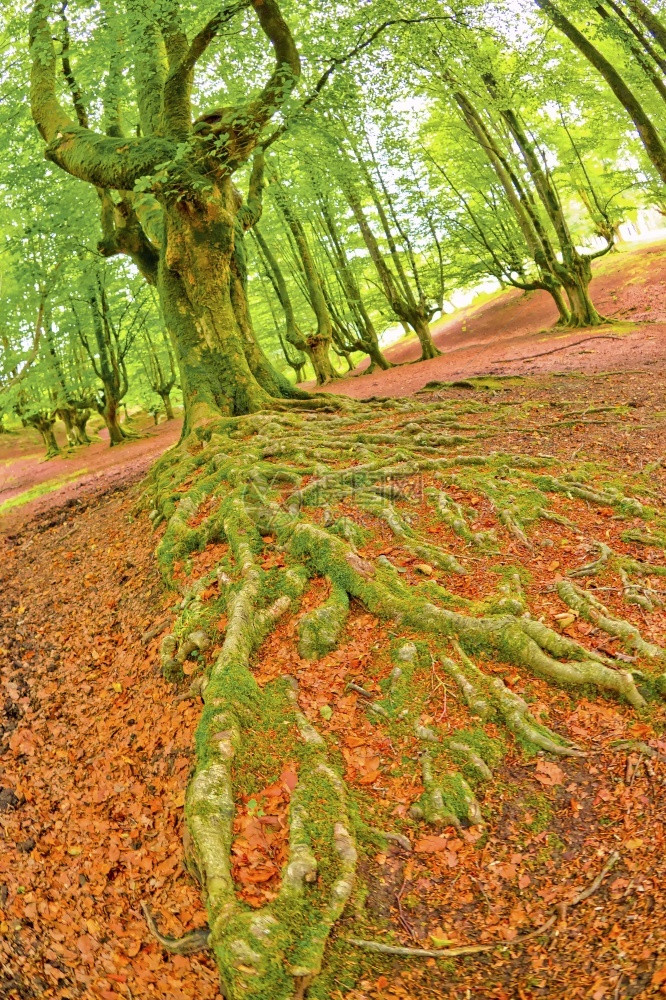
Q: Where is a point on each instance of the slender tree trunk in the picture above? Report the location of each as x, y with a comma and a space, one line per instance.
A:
166, 402
564, 315
421, 328
66, 414
649, 20
45, 427
352, 292
574, 271
293, 333
318, 344
637, 50
405, 311
266, 375
654, 147
109, 411
81, 417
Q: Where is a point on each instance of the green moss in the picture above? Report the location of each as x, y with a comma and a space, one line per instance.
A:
539, 807
491, 750
320, 629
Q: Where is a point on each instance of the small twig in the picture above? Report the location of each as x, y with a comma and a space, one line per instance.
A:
360, 690
154, 631
627, 771
643, 748
592, 888
401, 916
636, 770
618, 985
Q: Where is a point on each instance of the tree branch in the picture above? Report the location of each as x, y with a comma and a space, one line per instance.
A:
85, 154
203, 38
245, 124
77, 96
250, 212
34, 350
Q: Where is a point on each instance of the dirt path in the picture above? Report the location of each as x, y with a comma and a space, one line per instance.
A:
481, 340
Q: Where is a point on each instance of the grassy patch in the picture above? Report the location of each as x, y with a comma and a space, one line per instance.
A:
48, 486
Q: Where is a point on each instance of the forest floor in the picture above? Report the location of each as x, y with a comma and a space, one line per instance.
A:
502, 336
96, 747
30, 485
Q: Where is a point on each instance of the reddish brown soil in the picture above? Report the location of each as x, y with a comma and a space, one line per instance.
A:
96, 765
629, 289
22, 467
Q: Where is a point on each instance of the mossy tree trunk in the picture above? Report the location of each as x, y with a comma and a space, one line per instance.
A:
405, 307
188, 254
166, 402
318, 344
574, 269
368, 340
414, 308
649, 20
44, 422
80, 419
66, 414
194, 285
49, 438
248, 214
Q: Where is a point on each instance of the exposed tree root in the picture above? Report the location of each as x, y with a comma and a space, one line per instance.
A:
477, 949
586, 604
562, 347
318, 494
188, 944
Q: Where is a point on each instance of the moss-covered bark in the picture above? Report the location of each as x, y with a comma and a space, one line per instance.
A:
184, 242
272, 493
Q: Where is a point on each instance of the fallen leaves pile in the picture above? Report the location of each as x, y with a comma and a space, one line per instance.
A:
95, 756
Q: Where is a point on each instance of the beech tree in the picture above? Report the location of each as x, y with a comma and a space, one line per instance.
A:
186, 166
625, 93
297, 493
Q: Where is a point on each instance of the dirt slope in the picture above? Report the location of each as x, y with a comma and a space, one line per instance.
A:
93, 469
629, 288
